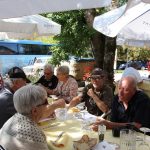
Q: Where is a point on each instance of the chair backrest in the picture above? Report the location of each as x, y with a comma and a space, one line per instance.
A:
2, 148
1, 82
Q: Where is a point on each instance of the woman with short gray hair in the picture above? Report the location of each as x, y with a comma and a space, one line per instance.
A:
67, 86
21, 130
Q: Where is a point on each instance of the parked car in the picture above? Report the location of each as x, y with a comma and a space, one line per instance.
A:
141, 65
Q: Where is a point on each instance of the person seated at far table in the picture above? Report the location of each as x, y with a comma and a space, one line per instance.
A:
16, 80
129, 106
48, 80
21, 130
17, 70
97, 95
132, 71
67, 87
1, 82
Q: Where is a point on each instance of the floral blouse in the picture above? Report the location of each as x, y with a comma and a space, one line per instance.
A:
67, 90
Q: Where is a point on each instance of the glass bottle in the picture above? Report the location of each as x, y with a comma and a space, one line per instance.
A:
101, 132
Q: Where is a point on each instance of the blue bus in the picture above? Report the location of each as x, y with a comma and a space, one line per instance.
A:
21, 53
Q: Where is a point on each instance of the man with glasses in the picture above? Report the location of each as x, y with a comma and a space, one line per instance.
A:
48, 80
16, 80
97, 95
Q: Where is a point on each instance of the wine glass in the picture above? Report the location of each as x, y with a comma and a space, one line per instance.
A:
144, 145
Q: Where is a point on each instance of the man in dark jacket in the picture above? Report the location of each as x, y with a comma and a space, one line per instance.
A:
49, 81
16, 80
129, 106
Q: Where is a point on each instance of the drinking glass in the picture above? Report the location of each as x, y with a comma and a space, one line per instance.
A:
61, 114
127, 139
144, 145
101, 132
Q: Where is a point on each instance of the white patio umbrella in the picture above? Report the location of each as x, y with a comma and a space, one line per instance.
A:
132, 42
17, 8
146, 1
130, 22
28, 26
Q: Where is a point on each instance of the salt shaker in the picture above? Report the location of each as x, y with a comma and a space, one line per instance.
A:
101, 132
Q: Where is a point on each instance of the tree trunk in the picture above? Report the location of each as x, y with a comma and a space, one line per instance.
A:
103, 48
109, 57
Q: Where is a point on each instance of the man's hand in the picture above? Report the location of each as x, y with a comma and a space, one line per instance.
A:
97, 123
91, 93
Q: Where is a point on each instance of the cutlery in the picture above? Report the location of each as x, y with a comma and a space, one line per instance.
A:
58, 137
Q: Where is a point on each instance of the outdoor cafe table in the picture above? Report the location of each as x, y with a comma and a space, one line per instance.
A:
74, 132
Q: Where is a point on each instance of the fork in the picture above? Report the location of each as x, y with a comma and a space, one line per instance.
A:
58, 137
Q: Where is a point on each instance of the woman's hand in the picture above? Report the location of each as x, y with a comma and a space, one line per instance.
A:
60, 103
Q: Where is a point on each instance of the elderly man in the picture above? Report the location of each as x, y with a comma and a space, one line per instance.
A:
132, 71
16, 80
130, 105
97, 95
48, 80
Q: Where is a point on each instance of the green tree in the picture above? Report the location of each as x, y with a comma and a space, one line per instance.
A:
78, 36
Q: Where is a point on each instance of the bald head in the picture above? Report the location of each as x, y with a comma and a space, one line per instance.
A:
129, 80
127, 88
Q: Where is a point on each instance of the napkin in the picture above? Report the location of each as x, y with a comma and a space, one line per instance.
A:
89, 118
85, 143
64, 143
104, 146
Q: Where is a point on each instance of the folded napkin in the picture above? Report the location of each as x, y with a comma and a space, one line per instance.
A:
104, 146
64, 143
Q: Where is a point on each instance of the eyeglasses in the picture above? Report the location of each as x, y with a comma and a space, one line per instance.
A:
96, 77
47, 73
45, 103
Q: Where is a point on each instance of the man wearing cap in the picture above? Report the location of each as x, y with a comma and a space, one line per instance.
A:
16, 80
97, 95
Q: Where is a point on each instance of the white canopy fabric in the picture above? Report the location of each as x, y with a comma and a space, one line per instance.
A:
130, 21
135, 43
17, 8
28, 27
146, 1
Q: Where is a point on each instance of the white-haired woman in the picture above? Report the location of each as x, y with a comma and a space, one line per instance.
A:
67, 86
21, 131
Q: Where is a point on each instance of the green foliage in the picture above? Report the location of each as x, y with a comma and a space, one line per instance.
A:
49, 39
133, 53
75, 35
121, 2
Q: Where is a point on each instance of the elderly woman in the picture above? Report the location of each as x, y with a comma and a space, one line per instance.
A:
67, 86
21, 130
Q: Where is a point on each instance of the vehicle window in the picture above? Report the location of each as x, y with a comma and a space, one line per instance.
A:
8, 48
31, 49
